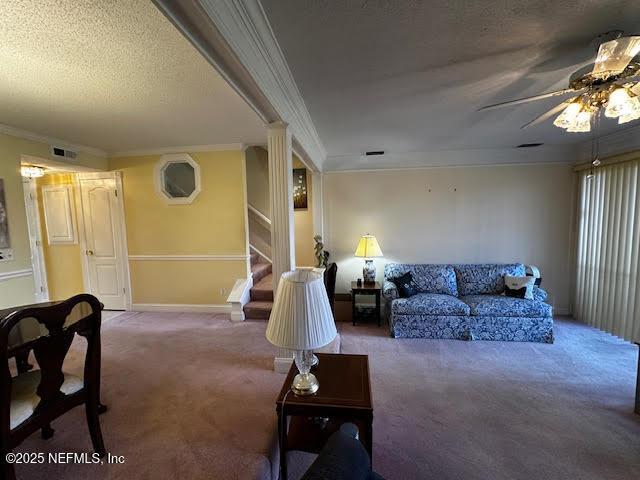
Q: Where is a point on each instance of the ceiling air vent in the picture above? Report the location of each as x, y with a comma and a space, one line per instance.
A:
58, 152
374, 152
529, 145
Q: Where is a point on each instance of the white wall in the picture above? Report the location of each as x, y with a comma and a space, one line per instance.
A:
455, 215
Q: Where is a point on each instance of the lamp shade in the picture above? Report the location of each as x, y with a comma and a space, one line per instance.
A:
368, 247
301, 317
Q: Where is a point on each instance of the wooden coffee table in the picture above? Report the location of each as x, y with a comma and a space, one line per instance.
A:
344, 396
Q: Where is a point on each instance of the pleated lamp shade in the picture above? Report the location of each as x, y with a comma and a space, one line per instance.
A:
301, 317
368, 247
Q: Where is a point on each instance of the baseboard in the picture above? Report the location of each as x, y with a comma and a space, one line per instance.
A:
181, 308
562, 311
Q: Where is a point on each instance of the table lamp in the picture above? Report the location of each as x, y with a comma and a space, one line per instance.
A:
301, 320
368, 248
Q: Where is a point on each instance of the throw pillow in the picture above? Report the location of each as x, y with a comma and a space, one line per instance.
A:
519, 287
405, 284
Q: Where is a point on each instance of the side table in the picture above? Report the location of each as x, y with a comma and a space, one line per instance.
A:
344, 396
365, 289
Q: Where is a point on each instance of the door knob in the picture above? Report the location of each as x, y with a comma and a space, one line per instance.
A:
89, 252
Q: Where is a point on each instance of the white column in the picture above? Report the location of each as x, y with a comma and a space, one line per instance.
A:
282, 228
281, 200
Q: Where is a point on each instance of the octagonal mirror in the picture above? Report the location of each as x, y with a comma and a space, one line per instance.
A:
178, 178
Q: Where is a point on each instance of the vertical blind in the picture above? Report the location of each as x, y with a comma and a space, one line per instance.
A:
608, 269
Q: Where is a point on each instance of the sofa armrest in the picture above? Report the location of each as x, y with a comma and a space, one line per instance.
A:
539, 294
390, 291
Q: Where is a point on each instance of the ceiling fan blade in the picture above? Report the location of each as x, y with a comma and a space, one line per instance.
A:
529, 99
548, 114
614, 56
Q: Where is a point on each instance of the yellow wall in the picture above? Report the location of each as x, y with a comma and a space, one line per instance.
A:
214, 224
63, 262
20, 290
303, 222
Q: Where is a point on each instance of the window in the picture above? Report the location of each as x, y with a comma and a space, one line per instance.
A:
178, 178
608, 263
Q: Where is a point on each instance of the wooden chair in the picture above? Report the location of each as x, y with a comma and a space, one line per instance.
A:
31, 400
330, 274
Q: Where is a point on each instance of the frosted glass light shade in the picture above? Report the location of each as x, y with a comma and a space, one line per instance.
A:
582, 123
632, 113
368, 247
619, 103
301, 317
568, 115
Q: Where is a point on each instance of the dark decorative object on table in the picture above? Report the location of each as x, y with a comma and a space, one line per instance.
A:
300, 188
359, 282
405, 284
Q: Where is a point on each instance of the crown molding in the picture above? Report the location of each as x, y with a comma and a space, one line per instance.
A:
236, 38
559, 155
36, 137
221, 147
618, 142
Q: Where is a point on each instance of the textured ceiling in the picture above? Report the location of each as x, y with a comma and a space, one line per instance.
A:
408, 76
115, 75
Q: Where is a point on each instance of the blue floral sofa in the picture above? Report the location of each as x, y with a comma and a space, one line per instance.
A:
465, 302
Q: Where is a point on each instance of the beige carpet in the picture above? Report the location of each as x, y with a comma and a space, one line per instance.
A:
191, 396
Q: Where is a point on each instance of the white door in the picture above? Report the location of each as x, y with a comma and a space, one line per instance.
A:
35, 240
103, 239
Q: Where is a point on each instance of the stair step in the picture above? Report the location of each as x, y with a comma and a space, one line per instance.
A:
259, 271
254, 257
263, 290
257, 310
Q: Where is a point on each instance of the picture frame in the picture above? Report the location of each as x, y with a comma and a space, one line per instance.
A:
300, 200
5, 238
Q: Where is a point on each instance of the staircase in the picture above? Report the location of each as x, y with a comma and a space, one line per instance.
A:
259, 307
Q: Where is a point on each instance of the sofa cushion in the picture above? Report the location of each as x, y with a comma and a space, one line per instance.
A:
427, 278
405, 285
503, 306
430, 304
487, 278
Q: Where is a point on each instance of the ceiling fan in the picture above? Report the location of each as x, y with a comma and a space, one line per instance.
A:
612, 84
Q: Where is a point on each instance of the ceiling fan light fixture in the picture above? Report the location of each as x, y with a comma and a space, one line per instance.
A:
568, 116
582, 123
619, 103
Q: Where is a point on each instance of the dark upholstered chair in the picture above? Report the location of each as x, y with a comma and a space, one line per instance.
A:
342, 458
330, 274
32, 399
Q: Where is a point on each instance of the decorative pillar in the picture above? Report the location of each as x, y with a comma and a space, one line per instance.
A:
283, 256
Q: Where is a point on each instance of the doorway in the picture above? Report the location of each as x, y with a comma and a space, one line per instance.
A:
77, 235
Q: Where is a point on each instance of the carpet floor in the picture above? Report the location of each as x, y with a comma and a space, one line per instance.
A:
192, 396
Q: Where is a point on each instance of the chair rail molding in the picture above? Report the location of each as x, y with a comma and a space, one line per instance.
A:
15, 274
178, 258
236, 38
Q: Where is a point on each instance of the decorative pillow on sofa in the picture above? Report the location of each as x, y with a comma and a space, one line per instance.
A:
406, 287
519, 287
485, 279
427, 278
